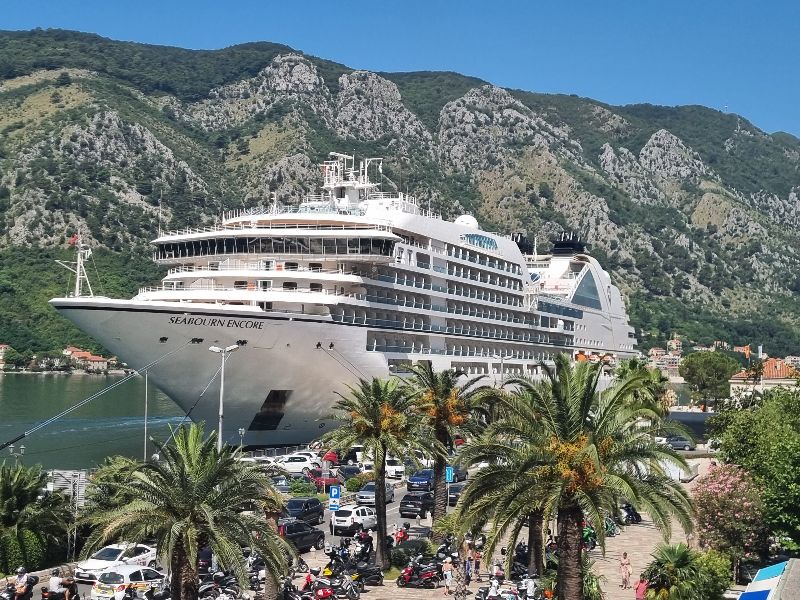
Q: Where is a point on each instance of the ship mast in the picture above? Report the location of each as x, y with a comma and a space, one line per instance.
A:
77, 267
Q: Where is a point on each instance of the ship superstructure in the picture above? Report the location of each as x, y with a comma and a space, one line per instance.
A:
352, 283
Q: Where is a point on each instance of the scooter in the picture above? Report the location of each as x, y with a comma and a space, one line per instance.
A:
339, 587
290, 592
417, 575
632, 513
68, 583
10, 593
153, 593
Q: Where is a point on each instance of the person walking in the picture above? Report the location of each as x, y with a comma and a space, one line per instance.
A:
447, 574
625, 570
640, 589
477, 564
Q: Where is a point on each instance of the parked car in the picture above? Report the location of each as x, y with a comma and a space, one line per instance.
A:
454, 493
677, 442
459, 473
416, 503
298, 463
421, 480
309, 510
301, 534
115, 555
366, 495
351, 519
347, 472
113, 583
323, 480
395, 469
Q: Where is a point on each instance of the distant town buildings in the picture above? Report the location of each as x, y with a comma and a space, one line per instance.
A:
83, 359
775, 373
793, 361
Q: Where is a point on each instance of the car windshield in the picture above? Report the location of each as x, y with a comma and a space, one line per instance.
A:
393, 463
111, 577
457, 487
424, 473
370, 487
351, 470
343, 513
107, 553
295, 504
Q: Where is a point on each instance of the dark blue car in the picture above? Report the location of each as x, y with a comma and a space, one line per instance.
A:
420, 481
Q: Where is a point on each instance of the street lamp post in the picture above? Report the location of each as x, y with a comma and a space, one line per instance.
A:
241, 437
223, 352
17, 455
502, 358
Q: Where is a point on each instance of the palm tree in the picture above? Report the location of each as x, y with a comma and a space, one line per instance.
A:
448, 407
593, 449
673, 574
505, 492
23, 507
195, 496
378, 415
654, 384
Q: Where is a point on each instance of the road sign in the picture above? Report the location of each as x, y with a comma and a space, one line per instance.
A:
333, 504
448, 474
335, 492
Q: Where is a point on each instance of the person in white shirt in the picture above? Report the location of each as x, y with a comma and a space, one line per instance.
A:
56, 584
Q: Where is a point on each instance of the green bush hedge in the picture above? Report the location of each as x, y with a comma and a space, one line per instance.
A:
405, 551
28, 550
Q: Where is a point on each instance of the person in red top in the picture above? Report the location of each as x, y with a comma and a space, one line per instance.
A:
640, 588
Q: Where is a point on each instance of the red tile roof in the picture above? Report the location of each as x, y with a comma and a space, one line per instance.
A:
774, 368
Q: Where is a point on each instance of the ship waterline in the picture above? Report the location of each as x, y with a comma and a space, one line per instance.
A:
354, 284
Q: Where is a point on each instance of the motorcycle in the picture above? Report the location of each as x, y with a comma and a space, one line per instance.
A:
632, 513
153, 593
10, 593
589, 537
611, 528
360, 572
219, 584
339, 587
68, 583
418, 575
290, 592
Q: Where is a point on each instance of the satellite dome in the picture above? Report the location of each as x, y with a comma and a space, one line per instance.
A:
467, 221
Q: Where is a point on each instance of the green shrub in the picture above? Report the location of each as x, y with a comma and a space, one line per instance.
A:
715, 574
28, 550
353, 484
405, 551
298, 487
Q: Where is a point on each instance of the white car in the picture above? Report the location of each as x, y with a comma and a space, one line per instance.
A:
112, 583
115, 555
351, 519
297, 464
395, 469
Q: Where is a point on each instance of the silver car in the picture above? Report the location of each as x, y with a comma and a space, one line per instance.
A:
367, 494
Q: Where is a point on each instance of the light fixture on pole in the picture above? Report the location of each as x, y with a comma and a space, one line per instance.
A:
241, 436
17, 455
502, 358
223, 352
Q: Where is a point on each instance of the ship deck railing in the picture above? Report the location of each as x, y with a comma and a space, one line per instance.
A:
227, 228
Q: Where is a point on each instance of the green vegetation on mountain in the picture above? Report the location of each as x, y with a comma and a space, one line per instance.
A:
693, 211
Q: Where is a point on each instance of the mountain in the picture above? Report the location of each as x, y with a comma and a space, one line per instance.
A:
694, 212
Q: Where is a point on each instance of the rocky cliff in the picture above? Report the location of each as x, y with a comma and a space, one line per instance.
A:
694, 212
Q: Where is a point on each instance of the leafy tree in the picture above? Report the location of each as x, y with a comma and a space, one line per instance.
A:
595, 449
63, 79
729, 513
715, 574
765, 440
708, 373
194, 496
447, 406
24, 507
380, 416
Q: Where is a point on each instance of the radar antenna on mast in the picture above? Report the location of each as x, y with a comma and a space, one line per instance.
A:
77, 267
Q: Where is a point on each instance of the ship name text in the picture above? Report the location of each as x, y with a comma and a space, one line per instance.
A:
214, 322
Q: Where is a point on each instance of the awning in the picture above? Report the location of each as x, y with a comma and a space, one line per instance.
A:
770, 572
760, 595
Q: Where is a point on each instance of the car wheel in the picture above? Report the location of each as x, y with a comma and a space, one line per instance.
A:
321, 519
320, 543
687, 447
152, 564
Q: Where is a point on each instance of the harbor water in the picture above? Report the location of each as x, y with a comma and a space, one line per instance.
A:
111, 424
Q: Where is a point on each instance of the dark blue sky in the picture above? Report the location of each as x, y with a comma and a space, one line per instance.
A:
739, 54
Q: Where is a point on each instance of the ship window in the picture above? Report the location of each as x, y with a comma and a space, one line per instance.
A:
264, 284
315, 267
271, 413
587, 294
290, 285
290, 266
315, 287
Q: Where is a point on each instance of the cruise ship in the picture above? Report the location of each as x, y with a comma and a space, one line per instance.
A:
352, 283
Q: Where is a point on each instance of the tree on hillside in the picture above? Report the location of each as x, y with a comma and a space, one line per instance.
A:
730, 514
195, 496
380, 416
707, 373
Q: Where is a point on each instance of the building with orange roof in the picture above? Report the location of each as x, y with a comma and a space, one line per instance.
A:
776, 373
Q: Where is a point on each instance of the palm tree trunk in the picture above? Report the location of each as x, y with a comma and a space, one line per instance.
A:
270, 581
439, 482
187, 575
535, 543
570, 579
175, 574
459, 579
381, 556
